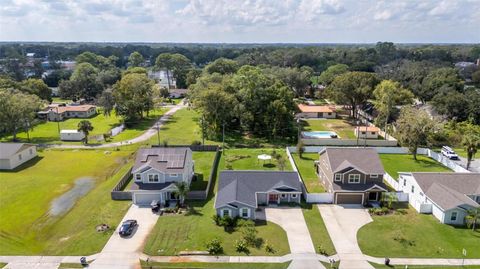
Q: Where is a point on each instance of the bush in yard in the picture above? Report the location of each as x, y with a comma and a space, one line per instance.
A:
379, 211
241, 246
269, 248
322, 250
249, 232
196, 143
214, 247
216, 218
227, 222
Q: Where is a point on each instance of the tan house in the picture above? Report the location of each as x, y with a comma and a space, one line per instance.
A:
307, 111
367, 132
58, 112
15, 154
353, 175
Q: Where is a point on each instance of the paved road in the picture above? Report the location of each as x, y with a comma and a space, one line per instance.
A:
152, 131
124, 253
301, 245
343, 223
474, 165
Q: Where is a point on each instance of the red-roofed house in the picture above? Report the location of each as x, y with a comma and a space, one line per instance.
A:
307, 111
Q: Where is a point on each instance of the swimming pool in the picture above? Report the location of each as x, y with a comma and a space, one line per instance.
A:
319, 134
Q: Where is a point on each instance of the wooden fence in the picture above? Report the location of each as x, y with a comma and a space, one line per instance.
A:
117, 193
202, 195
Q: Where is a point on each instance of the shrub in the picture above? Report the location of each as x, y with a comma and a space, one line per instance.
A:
241, 246
249, 233
322, 250
216, 218
214, 247
228, 165
269, 248
379, 211
196, 143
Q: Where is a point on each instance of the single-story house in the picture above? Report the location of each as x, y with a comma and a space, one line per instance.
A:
59, 112
306, 111
15, 154
71, 135
353, 175
157, 170
240, 193
178, 93
367, 132
447, 196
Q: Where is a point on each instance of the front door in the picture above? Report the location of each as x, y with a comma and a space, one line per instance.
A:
273, 198
373, 196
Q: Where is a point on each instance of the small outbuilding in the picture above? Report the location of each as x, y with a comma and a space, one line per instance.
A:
71, 135
367, 132
15, 154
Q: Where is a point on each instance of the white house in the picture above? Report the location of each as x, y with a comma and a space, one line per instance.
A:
447, 196
157, 170
15, 154
368, 132
71, 135
307, 111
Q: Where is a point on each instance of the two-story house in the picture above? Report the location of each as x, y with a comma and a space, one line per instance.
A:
447, 196
157, 170
353, 175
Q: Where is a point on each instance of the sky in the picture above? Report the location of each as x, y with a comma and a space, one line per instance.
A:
241, 21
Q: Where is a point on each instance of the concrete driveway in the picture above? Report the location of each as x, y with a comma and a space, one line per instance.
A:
123, 252
343, 223
299, 240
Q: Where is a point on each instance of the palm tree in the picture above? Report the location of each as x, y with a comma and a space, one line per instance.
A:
471, 142
473, 217
181, 192
85, 126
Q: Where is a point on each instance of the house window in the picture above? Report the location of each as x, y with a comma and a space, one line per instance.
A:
329, 113
284, 195
294, 195
373, 133
225, 212
354, 178
413, 189
373, 176
138, 177
153, 178
453, 217
338, 177
404, 182
244, 213
19, 157
364, 133
173, 175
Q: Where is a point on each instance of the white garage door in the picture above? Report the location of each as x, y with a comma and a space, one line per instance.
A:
145, 198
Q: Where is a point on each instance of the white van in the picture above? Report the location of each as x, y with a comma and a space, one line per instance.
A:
449, 153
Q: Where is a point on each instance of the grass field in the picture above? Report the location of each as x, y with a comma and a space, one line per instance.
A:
394, 163
306, 169
416, 235
318, 231
382, 266
26, 226
195, 265
247, 159
47, 132
191, 232
203, 167
342, 127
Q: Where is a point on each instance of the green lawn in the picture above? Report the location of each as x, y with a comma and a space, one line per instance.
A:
318, 231
247, 159
192, 231
306, 168
203, 167
195, 265
47, 132
416, 235
382, 266
26, 228
342, 127
394, 163
2, 264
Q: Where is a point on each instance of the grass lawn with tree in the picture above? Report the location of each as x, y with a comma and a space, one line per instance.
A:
410, 234
340, 126
306, 168
192, 231
395, 163
28, 226
247, 159
318, 232
203, 167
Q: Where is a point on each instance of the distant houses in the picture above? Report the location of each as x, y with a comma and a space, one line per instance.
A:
59, 112
306, 111
14, 154
367, 132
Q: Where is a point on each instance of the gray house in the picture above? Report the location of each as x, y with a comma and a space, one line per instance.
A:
353, 175
241, 192
157, 170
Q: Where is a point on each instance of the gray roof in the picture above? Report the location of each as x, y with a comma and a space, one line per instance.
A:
168, 160
9, 149
363, 159
449, 190
241, 186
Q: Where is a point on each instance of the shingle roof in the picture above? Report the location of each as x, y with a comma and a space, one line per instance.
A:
449, 190
241, 186
171, 160
363, 159
9, 149
315, 109
62, 109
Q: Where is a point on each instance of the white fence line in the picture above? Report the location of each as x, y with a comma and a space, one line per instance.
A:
446, 162
392, 182
349, 142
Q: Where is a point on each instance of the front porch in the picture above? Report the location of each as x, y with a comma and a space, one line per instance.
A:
276, 198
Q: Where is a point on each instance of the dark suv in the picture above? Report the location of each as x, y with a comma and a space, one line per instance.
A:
127, 227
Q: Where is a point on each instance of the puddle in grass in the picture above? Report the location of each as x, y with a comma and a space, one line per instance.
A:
65, 202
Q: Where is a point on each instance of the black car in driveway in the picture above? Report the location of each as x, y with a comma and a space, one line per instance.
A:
127, 227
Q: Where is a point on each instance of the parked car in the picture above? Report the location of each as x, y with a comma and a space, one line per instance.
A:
449, 153
127, 227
